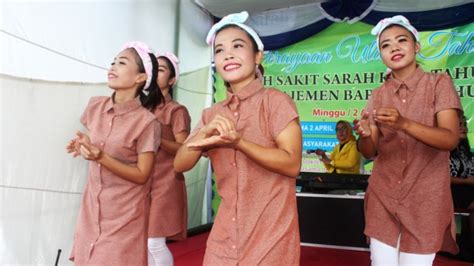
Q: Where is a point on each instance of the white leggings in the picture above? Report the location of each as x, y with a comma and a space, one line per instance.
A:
382, 254
158, 252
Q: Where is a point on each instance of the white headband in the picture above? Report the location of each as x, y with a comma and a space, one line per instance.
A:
395, 20
144, 52
237, 19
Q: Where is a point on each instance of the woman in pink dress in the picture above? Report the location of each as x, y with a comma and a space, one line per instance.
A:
168, 209
253, 139
122, 139
409, 126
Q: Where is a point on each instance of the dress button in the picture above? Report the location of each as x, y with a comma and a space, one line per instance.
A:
404, 101
236, 113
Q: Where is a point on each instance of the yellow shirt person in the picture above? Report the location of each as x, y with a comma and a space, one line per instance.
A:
345, 158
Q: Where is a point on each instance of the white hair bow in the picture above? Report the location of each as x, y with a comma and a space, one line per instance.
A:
397, 20
237, 19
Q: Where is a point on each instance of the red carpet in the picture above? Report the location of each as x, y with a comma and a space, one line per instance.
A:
191, 252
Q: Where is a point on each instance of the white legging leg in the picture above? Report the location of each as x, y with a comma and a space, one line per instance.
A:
382, 254
407, 259
158, 252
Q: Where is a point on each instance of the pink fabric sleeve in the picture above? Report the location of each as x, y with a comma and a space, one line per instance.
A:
180, 120
446, 96
150, 138
282, 112
85, 115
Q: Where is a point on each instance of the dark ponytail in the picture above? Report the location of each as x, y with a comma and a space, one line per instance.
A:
154, 97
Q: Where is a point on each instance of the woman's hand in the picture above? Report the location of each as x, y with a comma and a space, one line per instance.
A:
87, 150
219, 132
320, 152
390, 117
228, 139
324, 158
73, 147
90, 152
362, 125
218, 126
369, 135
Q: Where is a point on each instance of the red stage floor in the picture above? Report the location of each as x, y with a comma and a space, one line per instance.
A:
191, 252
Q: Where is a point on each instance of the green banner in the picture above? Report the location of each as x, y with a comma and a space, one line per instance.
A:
331, 75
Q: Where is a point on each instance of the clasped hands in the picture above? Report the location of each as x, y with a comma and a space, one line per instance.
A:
81, 145
389, 117
324, 158
219, 132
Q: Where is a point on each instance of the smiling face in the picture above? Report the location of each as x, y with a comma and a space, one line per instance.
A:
398, 48
235, 57
124, 72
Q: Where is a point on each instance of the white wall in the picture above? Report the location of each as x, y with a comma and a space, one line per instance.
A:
194, 25
92, 31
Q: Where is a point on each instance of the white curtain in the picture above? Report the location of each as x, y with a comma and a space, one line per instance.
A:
40, 184
286, 19
416, 6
